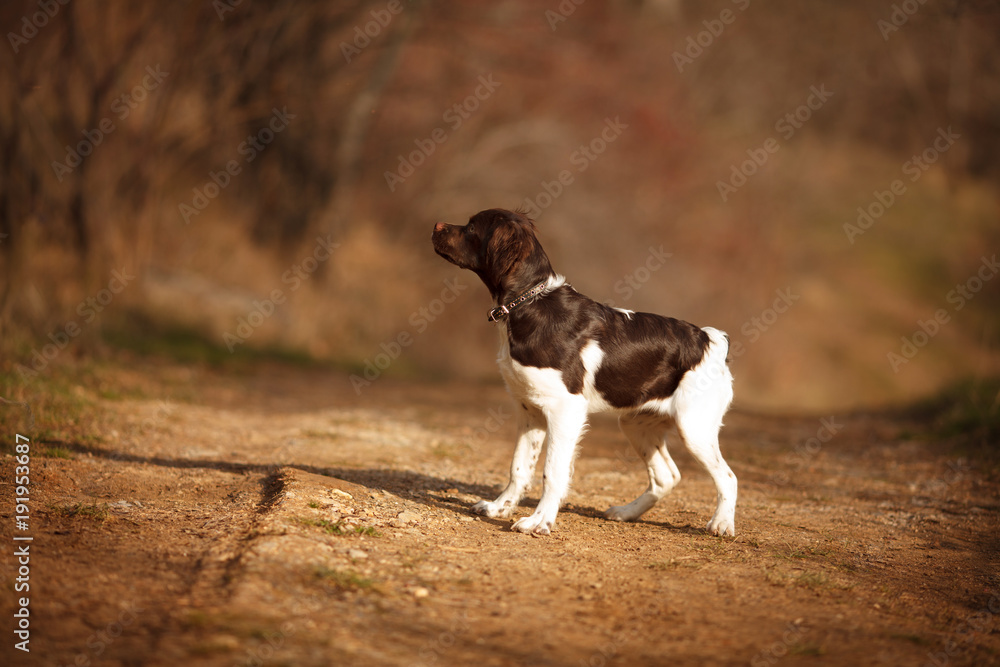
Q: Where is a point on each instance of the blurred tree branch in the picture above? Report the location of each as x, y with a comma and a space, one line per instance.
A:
350, 147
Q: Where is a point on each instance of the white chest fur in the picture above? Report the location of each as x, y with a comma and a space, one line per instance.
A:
544, 387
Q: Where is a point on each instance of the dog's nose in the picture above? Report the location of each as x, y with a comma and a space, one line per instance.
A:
439, 227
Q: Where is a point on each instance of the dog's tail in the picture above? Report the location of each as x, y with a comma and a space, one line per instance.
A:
719, 344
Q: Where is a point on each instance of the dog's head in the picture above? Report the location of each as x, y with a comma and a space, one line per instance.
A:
498, 245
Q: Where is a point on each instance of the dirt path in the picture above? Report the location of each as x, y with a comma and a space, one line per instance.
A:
276, 518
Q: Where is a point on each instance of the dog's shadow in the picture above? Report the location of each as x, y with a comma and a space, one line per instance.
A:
453, 503
445, 494
594, 513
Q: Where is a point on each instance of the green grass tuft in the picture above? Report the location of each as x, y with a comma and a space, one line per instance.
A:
807, 649
143, 336
344, 579
338, 528
57, 453
969, 410
93, 511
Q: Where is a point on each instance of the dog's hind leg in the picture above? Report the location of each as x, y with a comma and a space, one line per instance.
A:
700, 403
703, 442
647, 434
531, 435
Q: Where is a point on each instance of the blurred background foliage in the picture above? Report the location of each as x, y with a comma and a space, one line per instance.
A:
115, 116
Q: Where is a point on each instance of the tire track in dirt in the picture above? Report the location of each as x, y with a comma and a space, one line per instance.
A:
215, 568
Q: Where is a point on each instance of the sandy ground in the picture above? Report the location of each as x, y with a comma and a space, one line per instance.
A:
275, 517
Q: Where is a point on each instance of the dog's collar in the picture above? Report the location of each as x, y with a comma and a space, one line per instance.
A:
503, 310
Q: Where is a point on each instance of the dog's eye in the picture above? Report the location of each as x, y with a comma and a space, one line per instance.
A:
470, 229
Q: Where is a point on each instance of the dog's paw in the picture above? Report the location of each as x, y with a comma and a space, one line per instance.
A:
535, 524
492, 509
621, 513
486, 508
722, 525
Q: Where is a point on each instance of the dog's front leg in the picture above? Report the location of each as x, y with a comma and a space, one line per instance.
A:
531, 435
566, 423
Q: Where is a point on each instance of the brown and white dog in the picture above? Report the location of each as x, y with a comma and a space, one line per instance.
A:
564, 356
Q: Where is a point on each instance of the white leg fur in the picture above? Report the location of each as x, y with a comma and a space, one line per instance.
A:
531, 435
647, 434
704, 446
567, 420
700, 402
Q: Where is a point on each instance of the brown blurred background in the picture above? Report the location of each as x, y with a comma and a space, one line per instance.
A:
201, 149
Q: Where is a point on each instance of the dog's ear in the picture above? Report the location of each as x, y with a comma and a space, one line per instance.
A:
510, 245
